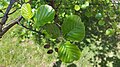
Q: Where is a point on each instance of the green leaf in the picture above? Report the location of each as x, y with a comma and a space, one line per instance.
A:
26, 11
73, 28
3, 4
26, 0
101, 22
68, 52
77, 7
110, 31
44, 14
85, 5
52, 30
98, 16
88, 13
1, 14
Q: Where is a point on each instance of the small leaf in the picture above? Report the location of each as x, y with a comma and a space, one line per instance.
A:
26, 11
52, 30
77, 7
110, 31
88, 13
26, 0
85, 5
1, 14
98, 16
68, 52
73, 28
101, 22
44, 14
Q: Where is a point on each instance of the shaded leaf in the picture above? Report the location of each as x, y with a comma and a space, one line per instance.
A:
52, 30
101, 22
98, 16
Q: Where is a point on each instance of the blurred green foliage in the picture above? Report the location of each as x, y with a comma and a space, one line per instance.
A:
100, 47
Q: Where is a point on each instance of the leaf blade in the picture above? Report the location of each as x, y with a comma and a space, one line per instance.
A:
26, 11
44, 14
73, 28
68, 52
52, 30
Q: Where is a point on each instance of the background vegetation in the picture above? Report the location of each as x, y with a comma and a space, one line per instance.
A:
99, 48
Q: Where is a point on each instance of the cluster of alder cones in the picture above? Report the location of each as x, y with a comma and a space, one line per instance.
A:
50, 51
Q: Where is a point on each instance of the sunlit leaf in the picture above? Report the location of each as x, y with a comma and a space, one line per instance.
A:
85, 5
110, 31
26, 0
68, 52
77, 7
73, 28
44, 14
26, 11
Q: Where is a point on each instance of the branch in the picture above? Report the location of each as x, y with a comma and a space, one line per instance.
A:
5, 17
52, 3
9, 26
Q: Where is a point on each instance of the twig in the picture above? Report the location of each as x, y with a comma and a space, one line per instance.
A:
5, 17
29, 28
10, 25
